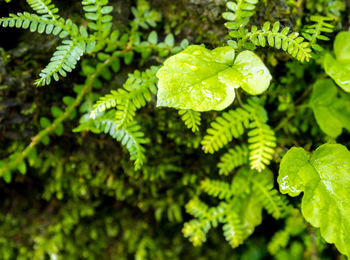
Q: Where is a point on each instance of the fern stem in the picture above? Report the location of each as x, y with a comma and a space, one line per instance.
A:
36, 139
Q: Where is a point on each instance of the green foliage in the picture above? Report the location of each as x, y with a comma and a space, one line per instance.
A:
69, 53
338, 68
232, 124
73, 195
324, 179
315, 32
241, 210
239, 13
209, 78
331, 108
233, 158
192, 119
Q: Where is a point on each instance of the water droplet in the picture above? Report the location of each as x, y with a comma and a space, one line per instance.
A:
192, 67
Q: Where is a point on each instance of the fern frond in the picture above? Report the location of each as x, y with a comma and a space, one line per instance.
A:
271, 199
191, 118
230, 124
64, 60
218, 189
262, 142
315, 31
279, 241
36, 23
98, 12
197, 208
136, 93
233, 230
279, 39
104, 103
240, 13
196, 231
129, 135
233, 158
44, 8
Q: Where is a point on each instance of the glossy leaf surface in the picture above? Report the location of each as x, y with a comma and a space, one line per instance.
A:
325, 180
332, 112
203, 80
338, 68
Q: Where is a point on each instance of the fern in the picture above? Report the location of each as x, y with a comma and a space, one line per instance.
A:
191, 118
129, 135
98, 12
218, 189
279, 39
45, 8
221, 132
240, 13
315, 31
64, 60
231, 124
270, 198
233, 230
261, 141
233, 158
241, 211
136, 93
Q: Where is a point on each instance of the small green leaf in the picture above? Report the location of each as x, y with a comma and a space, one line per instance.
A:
22, 167
332, 113
153, 37
56, 111
338, 70
256, 76
342, 46
325, 180
44, 122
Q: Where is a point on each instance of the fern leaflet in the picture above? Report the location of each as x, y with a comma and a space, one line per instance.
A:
240, 13
64, 60
191, 118
279, 39
45, 8
270, 198
224, 128
233, 230
314, 32
233, 158
218, 189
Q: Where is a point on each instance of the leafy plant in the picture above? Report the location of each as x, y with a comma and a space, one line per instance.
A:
323, 178
338, 68
209, 78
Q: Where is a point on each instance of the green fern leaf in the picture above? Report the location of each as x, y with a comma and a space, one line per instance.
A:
218, 189
191, 118
224, 128
239, 14
233, 230
233, 158
280, 39
45, 8
64, 60
262, 142
129, 135
270, 198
